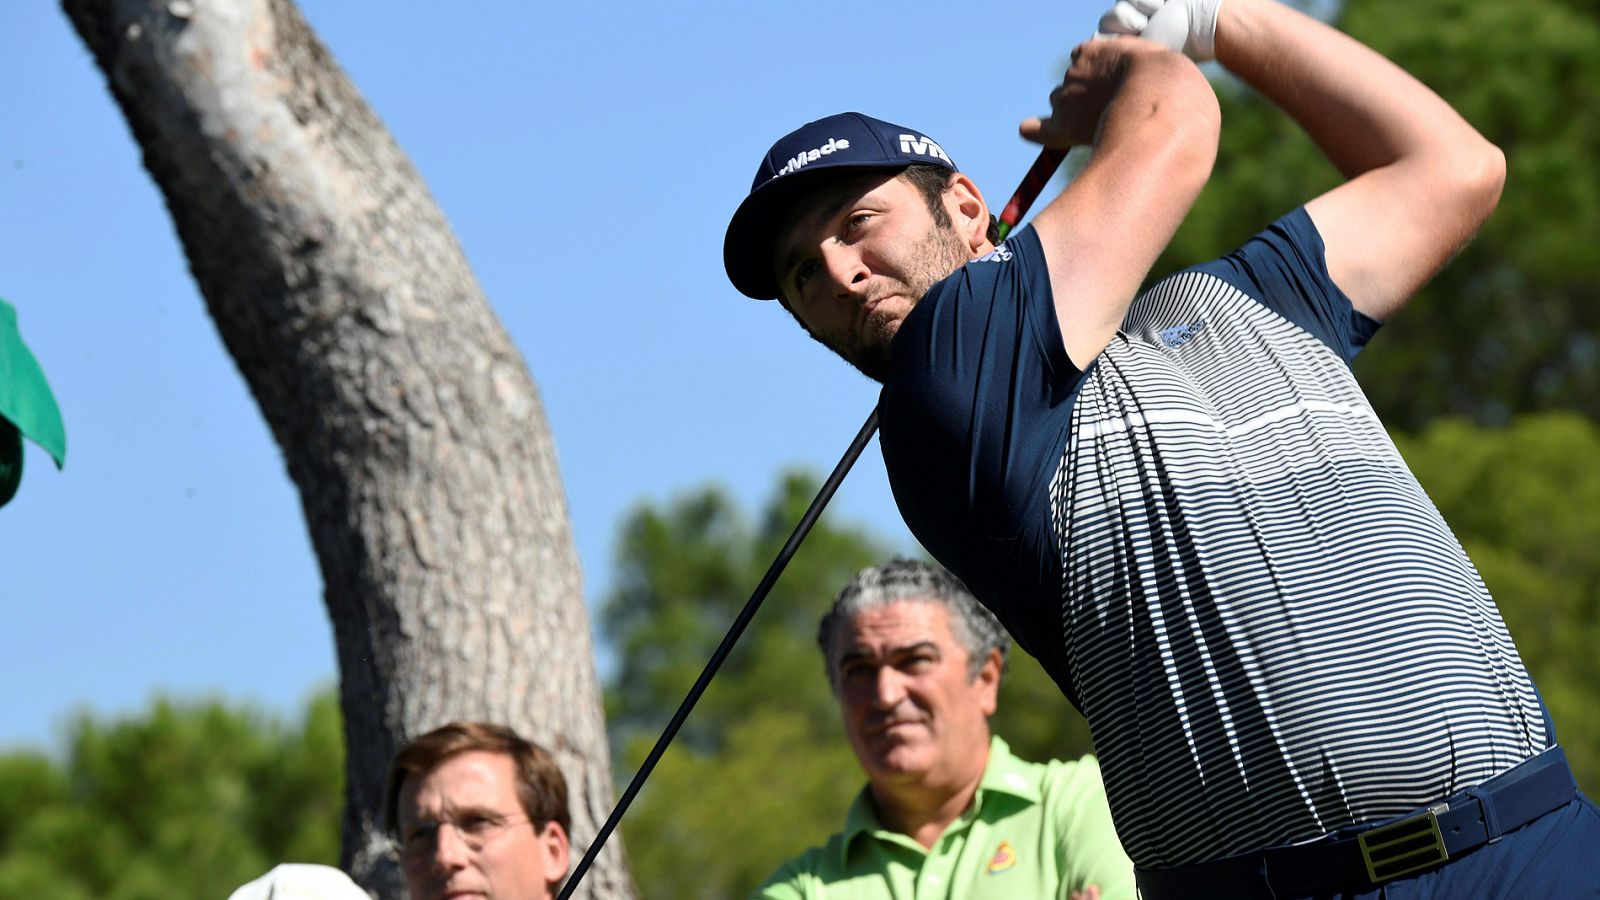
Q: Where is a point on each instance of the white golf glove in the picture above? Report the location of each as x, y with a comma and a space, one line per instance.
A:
1188, 26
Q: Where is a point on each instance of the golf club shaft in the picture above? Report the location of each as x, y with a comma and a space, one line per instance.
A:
1034, 182
728, 640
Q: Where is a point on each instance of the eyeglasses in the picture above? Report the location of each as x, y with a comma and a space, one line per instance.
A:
475, 830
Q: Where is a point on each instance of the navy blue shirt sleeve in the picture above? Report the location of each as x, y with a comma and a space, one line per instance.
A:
975, 417
1285, 269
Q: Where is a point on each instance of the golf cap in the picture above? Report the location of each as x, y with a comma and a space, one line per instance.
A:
844, 141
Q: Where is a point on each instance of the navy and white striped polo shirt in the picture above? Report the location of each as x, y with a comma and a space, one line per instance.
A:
1212, 545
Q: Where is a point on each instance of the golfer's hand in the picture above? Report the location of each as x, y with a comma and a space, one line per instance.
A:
1076, 107
1188, 26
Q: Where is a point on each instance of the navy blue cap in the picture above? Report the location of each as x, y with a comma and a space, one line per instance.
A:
844, 141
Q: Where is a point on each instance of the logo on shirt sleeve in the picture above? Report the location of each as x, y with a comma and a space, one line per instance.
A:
1005, 856
998, 254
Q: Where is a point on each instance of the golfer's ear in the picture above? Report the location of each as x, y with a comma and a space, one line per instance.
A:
968, 211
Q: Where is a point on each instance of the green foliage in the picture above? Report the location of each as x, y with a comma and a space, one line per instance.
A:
1525, 502
185, 800
715, 824
1034, 717
1511, 325
762, 769
684, 573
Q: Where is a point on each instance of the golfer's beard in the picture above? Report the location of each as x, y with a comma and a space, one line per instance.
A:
932, 260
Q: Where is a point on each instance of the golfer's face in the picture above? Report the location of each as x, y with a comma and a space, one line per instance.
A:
910, 709
853, 261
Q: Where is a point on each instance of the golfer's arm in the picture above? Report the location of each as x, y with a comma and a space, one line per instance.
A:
1422, 180
1151, 156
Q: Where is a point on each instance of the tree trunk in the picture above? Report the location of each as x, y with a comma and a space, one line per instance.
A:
407, 419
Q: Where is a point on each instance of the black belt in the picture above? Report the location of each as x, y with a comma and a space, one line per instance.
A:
1416, 842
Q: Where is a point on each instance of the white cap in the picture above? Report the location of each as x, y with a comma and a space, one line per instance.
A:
299, 881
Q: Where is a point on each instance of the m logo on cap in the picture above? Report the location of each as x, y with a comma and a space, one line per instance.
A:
921, 146
810, 156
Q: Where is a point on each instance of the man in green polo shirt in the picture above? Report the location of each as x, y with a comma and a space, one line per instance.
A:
915, 663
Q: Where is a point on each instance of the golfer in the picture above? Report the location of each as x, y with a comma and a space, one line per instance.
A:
1182, 503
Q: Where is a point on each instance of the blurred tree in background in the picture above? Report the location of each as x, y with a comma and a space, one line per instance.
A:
761, 762
1513, 324
185, 800
683, 573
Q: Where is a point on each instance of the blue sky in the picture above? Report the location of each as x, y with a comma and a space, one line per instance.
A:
588, 157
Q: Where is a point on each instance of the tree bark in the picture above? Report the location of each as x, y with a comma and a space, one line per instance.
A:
406, 418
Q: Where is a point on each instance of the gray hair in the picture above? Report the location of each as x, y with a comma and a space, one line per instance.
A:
909, 580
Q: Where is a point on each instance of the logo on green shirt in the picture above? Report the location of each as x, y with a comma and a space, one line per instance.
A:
1005, 856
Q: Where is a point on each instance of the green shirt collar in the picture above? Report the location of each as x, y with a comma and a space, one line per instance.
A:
1004, 774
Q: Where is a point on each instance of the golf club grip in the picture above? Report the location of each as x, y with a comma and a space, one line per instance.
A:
812, 513
1032, 183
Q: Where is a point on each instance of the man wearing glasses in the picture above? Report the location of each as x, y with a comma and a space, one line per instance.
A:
478, 810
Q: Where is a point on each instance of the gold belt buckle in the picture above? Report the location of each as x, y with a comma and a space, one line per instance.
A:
1400, 848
